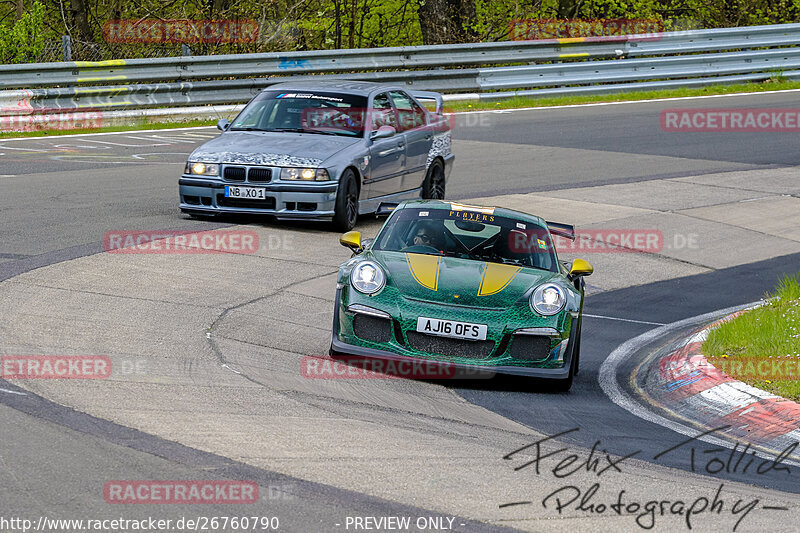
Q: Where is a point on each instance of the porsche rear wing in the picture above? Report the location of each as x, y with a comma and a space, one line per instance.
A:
562, 230
430, 95
386, 208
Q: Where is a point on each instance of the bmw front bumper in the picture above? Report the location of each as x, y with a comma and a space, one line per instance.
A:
282, 199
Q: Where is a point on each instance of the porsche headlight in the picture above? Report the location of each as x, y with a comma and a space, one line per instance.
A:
548, 299
202, 169
367, 277
305, 174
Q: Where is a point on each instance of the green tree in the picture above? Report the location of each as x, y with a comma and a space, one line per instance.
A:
23, 41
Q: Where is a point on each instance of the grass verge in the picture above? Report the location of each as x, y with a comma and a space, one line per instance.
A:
774, 84
762, 347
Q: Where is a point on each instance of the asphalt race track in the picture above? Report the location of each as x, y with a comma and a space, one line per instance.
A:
225, 349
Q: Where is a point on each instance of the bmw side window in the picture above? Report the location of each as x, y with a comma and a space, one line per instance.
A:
382, 112
411, 114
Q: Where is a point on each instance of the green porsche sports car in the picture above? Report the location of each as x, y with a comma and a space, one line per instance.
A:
477, 288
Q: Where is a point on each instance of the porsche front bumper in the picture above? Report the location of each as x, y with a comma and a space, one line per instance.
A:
403, 344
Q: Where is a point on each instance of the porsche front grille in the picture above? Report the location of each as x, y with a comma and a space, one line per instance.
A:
530, 347
372, 328
451, 347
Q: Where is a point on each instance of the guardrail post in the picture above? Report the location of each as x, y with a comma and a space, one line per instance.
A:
185, 50
66, 47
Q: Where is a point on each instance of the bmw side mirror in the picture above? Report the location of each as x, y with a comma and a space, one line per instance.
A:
223, 124
382, 133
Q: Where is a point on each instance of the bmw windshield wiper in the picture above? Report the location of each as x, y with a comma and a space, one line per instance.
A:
341, 133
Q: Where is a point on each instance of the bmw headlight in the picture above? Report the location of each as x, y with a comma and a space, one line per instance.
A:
548, 299
202, 169
305, 174
367, 277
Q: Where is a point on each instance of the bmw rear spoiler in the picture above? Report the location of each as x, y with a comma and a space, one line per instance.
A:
562, 230
430, 95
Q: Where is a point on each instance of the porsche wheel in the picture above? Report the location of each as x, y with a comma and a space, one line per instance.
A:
564, 385
577, 353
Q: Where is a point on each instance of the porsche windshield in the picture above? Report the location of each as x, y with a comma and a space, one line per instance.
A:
321, 113
468, 234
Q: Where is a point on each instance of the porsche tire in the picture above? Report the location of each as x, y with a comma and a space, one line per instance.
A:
565, 384
577, 353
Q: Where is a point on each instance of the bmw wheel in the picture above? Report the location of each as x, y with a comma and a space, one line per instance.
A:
346, 202
433, 186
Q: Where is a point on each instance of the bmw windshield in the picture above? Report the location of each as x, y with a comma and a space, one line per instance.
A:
315, 112
468, 234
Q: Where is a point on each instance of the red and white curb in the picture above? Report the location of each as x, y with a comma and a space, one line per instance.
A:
685, 385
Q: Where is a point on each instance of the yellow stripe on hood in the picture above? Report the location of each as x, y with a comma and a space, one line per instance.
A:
496, 277
425, 269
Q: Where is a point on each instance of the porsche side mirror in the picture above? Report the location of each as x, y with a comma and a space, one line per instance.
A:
223, 124
352, 240
382, 133
580, 268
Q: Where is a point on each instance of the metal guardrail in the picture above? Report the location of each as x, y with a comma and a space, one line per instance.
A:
641, 69
126, 84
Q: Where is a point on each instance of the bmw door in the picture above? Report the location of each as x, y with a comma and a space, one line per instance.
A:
412, 120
